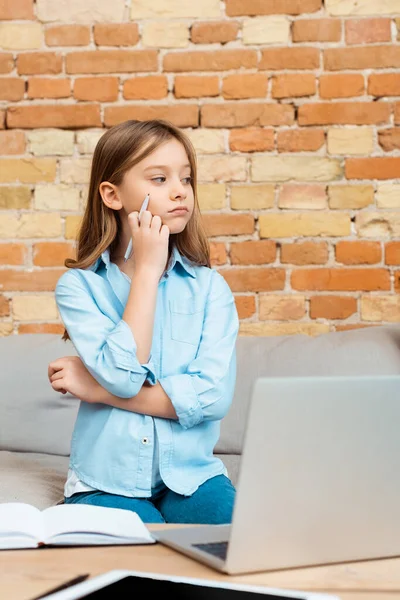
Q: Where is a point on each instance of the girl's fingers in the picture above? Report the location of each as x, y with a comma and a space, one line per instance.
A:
58, 386
156, 223
133, 220
56, 376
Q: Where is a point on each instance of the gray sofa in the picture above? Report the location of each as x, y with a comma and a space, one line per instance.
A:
36, 423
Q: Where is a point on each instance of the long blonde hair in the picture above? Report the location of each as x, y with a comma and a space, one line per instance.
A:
117, 151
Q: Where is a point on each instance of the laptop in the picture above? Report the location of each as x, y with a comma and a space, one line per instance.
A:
319, 478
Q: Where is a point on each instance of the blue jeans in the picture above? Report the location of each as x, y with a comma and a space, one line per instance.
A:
212, 503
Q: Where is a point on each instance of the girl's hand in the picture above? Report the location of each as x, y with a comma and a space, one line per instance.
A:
69, 374
150, 242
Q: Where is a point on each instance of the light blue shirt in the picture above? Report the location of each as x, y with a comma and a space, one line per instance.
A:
193, 357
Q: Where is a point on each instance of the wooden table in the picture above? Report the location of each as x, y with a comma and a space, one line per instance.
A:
28, 573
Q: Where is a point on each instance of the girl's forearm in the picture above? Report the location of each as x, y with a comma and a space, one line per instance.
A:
151, 400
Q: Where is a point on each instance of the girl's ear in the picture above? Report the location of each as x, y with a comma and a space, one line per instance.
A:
109, 195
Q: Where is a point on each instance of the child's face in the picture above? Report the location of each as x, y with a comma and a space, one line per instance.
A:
166, 176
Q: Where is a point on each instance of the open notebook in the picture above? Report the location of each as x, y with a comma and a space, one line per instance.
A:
25, 526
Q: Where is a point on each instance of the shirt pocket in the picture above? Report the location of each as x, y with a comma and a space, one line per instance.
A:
187, 315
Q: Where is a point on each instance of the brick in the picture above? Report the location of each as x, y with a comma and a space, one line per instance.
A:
397, 281
358, 140
219, 32
17, 9
75, 170
384, 84
305, 253
363, 57
56, 197
167, 9
246, 306
363, 7
252, 197
150, 87
2, 119
349, 326
278, 329
378, 224
207, 141
102, 89
293, 86
294, 168
380, 308
12, 254
266, 30
388, 195
300, 140
111, 61
317, 30
222, 168
51, 141
344, 113
192, 86
116, 34
397, 113
72, 225
274, 307
373, 168
311, 197
228, 224
252, 252
332, 307
346, 85
251, 139
243, 114
27, 170
4, 306
367, 31
252, 85
15, 197
6, 62
341, 279
254, 279
269, 7
217, 60
211, 196
21, 36
31, 308
350, 196
358, 253
76, 11
87, 141
12, 142
11, 89
156, 35
389, 139
218, 255
41, 87
289, 58
68, 35
52, 254
392, 253
66, 116
33, 328
182, 115
43, 280
30, 225
312, 223
39, 63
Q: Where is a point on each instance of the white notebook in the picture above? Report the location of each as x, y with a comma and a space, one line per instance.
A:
25, 526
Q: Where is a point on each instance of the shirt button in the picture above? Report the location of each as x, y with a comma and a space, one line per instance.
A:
166, 275
145, 440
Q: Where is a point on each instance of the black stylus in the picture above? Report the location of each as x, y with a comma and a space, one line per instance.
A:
63, 586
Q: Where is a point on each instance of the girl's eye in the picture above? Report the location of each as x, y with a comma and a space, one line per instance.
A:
187, 180
160, 179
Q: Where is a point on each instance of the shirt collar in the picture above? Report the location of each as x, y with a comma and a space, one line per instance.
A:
175, 258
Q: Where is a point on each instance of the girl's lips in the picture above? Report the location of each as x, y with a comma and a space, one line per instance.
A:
178, 211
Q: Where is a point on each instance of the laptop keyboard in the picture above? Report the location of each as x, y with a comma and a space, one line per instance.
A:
218, 549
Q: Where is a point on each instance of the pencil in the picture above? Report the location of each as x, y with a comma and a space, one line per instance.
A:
142, 209
63, 586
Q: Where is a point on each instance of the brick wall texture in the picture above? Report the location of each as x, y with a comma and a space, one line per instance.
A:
293, 107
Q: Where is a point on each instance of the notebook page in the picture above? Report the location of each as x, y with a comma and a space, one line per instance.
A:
86, 520
18, 521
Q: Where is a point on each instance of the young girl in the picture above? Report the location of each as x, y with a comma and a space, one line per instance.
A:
155, 336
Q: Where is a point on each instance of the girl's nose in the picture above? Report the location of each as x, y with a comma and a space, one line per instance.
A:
178, 190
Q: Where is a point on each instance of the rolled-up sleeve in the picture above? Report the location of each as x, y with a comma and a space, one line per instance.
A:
106, 347
206, 390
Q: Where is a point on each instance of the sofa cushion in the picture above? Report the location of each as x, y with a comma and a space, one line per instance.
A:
371, 350
33, 417
36, 479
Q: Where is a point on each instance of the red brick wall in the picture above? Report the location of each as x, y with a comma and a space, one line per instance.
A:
293, 107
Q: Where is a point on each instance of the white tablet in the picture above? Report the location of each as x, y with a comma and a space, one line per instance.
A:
123, 584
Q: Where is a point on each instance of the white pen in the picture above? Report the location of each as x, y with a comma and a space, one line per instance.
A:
142, 209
